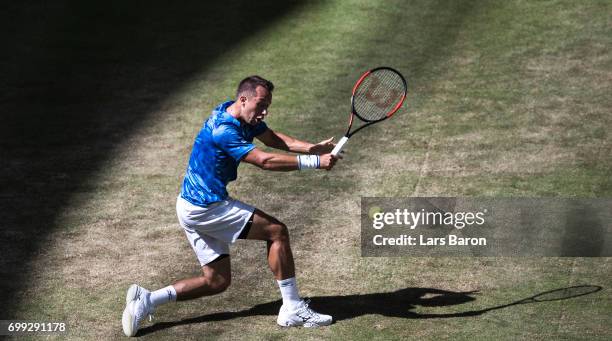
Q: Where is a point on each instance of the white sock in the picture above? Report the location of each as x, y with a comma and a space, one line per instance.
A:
163, 295
289, 291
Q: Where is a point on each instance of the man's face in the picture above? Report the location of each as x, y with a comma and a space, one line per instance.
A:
255, 108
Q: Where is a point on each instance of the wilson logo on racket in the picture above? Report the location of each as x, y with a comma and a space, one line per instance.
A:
377, 95
380, 99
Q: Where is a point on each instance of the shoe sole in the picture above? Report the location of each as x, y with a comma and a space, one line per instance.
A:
127, 320
305, 324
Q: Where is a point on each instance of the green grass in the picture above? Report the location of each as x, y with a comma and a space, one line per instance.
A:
506, 99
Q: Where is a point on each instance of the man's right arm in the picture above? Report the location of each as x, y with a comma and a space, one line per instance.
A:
283, 162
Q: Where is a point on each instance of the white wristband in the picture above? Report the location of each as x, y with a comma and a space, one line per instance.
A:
308, 161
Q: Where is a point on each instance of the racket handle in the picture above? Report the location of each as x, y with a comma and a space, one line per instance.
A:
339, 145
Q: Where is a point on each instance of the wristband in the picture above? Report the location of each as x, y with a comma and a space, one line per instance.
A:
308, 161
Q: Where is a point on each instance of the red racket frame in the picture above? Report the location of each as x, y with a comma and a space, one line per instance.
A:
389, 114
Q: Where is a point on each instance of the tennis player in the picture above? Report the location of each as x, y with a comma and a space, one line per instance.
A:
212, 220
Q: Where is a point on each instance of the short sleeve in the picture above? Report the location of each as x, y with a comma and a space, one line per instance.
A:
228, 138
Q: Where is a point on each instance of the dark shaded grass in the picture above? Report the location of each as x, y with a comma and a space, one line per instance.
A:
77, 79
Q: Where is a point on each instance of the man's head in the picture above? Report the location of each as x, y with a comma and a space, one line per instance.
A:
254, 96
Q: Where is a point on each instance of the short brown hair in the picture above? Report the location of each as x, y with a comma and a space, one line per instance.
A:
249, 84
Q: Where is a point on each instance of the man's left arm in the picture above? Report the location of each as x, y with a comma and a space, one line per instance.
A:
281, 141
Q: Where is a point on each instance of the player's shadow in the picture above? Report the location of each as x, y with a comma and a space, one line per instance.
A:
400, 303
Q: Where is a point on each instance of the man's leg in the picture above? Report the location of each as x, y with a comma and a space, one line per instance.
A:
140, 302
294, 312
275, 233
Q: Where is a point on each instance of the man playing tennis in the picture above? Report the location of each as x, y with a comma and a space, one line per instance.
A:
212, 220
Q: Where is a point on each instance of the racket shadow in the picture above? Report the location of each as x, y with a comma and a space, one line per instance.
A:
400, 303
546, 296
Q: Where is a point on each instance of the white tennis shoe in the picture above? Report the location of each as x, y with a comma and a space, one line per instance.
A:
137, 307
302, 315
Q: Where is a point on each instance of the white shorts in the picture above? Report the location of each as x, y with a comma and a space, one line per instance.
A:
211, 229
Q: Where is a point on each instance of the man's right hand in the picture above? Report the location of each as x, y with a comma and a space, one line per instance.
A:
327, 161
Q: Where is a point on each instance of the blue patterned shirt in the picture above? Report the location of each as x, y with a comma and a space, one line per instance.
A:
217, 151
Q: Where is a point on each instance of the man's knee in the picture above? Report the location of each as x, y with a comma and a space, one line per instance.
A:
218, 283
280, 232
218, 275
268, 228
222, 283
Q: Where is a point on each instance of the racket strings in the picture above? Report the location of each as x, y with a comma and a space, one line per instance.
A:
378, 94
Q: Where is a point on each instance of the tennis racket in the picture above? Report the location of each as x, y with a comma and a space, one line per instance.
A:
377, 95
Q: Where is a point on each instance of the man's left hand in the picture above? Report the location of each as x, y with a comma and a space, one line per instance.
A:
323, 147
